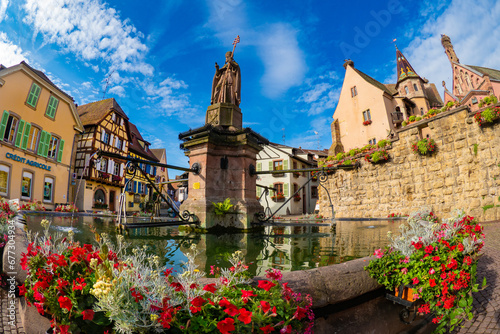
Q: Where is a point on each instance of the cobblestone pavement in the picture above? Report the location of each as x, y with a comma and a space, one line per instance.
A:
487, 302
6, 324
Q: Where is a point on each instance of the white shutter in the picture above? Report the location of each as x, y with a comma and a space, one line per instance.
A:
110, 166
113, 117
98, 165
103, 132
116, 142
122, 122
121, 170
111, 140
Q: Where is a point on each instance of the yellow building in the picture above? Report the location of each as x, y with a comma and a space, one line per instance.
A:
100, 181
368, 110
139, 189
38, 125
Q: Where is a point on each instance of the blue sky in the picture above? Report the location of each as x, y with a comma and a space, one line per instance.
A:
158, 56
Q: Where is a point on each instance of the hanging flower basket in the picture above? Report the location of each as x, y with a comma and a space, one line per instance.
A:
424, 146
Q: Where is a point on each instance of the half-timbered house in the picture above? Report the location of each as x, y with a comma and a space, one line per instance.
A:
139, 189
100, 180
38, 124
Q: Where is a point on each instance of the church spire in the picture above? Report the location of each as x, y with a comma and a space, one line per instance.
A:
448, 49
405, 70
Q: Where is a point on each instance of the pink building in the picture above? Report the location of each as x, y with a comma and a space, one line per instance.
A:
470, 83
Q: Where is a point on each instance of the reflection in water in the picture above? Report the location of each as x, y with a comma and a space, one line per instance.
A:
287, 248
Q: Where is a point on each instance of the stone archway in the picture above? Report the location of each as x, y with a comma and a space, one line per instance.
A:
99, 199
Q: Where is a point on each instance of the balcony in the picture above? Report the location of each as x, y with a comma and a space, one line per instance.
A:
397, 117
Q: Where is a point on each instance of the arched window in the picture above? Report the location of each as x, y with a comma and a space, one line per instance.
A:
406, 90
99, 197
421, 111
467, 79
415, 87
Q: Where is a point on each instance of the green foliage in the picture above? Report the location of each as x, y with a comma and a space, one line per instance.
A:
340, 156
383, 143
221, 208
424, 146
487, 207
488, 115
412, 118
492, 99
475, 149
404, 123
418, 118
353, 152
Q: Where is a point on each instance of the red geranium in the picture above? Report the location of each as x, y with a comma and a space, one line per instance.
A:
245, 316
225, 326
88, 314
266, 285
65, 302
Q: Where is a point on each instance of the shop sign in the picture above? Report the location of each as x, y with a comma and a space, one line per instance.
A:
26, 161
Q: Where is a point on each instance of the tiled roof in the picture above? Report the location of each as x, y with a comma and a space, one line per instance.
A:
433, 95
136, 148
492, 73
391, 88
372, 81
93, 113
158, 152
404, 68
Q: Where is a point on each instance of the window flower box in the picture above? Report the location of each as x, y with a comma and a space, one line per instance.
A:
296, 174
297, 198
377, 156
116, 178
279, 197
368, 122
103, 175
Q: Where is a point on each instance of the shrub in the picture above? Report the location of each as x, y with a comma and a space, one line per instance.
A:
418, 118
424, 146
412, 118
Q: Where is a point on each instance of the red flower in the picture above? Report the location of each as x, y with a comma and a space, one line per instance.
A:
425, 309
247, 294
453, 264
88, 314
266, 285
415, 281
265, 306
65, 302
61, 283
197, 304
225, 326
79, 284
286, 330
300, 313
137, 295
177, 286
210, 288
429, 249
448, 303
436, 258
417, 245
245, 316
39, 308
22, 290
267, 329
432, 282
63, 329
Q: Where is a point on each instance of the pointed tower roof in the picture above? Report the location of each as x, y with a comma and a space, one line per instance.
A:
405, 70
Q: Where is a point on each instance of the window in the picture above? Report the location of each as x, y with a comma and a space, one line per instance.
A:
4, 179
26, 184
406, 90
474, 100
415, 87
52, 153
314, 192
372, 141
295, 187
278, 165
103, 166
118, 143
33, 95
117, 169
52, 107
366, 115
140, 187
105, 137
32, 139
354, 91
118, 120
48, 188
278, 187
8, 127
421, 111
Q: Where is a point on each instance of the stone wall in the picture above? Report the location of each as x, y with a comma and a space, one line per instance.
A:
457, 176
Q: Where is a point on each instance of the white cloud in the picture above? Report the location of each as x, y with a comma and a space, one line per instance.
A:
117, 90
168, 96
91, 30
3, 8
316, 137
473, 33
10, 54
321, 93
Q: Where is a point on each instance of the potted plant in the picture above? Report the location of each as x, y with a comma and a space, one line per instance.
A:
367, 122
424, 146
437, 261
296, 197
296, 174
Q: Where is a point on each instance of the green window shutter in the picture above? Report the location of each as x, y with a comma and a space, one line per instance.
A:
41, 143
270, 165
259, 190
259, 166
48, 137
271, 192
52, 107
33, 95
3, 124
26, 135
19, 134
60, 153
285, 189
285, 164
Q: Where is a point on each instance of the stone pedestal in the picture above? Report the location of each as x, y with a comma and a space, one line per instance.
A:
225, 157
225, 115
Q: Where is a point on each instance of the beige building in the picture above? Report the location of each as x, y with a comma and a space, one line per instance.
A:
368, 110
38, 125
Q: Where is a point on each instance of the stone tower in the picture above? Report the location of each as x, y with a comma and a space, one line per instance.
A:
448, 49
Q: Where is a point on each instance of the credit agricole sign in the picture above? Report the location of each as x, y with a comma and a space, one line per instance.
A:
26, 161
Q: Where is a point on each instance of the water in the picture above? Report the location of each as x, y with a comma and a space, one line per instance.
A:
287, 248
